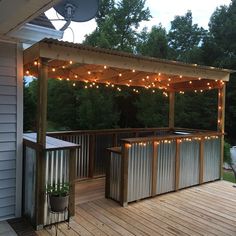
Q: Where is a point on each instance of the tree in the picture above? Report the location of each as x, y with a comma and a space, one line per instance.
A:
219, 49
152, 109
117, 24
96, 109
153, 43
185, 38
228, 159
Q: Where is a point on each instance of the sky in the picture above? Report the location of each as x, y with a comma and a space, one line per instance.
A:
162, 11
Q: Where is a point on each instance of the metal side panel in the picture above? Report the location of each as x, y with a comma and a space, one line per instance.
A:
166, 167
189, 163
57, 171
29, 183
115, 176
139, 171
211, 159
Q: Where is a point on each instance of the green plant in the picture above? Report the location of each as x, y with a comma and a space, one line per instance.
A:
58, 190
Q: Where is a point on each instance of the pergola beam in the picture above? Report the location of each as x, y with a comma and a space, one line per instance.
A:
87, 55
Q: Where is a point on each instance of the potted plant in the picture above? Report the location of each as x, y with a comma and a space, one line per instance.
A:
58, 196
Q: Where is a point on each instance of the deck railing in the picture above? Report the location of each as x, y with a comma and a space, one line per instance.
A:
92, 156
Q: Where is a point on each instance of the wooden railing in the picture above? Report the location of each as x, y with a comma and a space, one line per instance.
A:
92, 156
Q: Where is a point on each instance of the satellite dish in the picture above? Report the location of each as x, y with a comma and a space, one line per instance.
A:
77, 10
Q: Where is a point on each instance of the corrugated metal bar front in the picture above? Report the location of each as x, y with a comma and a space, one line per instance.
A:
140, 170
166, 166
29, 184
115, 176
57, 171
189, 163
103, 141
82, 153
211, 159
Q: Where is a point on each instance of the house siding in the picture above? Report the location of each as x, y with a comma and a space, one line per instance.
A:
9, 192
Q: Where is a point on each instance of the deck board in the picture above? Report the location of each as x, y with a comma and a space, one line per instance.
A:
209, 209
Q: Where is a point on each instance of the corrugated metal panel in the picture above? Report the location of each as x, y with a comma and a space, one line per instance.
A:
115, 176
166, 167
57, 171
189, 163
29, 185
211, 159
139, 171
82, 153
7, 129
101, 155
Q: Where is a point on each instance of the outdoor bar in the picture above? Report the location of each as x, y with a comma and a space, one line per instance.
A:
141, 162
148, 166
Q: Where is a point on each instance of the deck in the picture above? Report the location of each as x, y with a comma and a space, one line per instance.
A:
209, 209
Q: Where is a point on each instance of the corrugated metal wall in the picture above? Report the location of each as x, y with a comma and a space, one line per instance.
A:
189, 163
8, 129
166, 167
57, 171
82, 153
140, 171
30, 184
115, 176
212, 149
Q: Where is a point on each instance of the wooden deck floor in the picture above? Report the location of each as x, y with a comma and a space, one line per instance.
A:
209, 209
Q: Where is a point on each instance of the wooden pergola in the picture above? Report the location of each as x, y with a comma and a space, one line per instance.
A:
75, 62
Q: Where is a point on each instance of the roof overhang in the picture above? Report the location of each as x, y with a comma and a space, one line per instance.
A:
31, 33
14, 14
84, 63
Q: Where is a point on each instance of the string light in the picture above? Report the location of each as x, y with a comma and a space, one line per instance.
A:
68, 79
35, 63
133, 71
27, 72
74, 84
53, 69
159, 74
105, 67
199, 78
180, 76
120, 74
71, 62
76, 76
147, 77
190, 82
89, 72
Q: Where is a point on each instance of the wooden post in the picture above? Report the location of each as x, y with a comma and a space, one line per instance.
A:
154, 168
177, 164
41, 141
108, 175
91, 154
72, 177
201, 161
124, 174
221, 123
42, 102
171, 110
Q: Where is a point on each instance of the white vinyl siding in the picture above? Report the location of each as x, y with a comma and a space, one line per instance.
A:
8, 129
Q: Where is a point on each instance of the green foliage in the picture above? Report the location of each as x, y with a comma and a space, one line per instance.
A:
229, 176
96, 109
185, 38
29, 108
152, 109
58, 190
227, 156
190, 111
117, 24
153, 43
